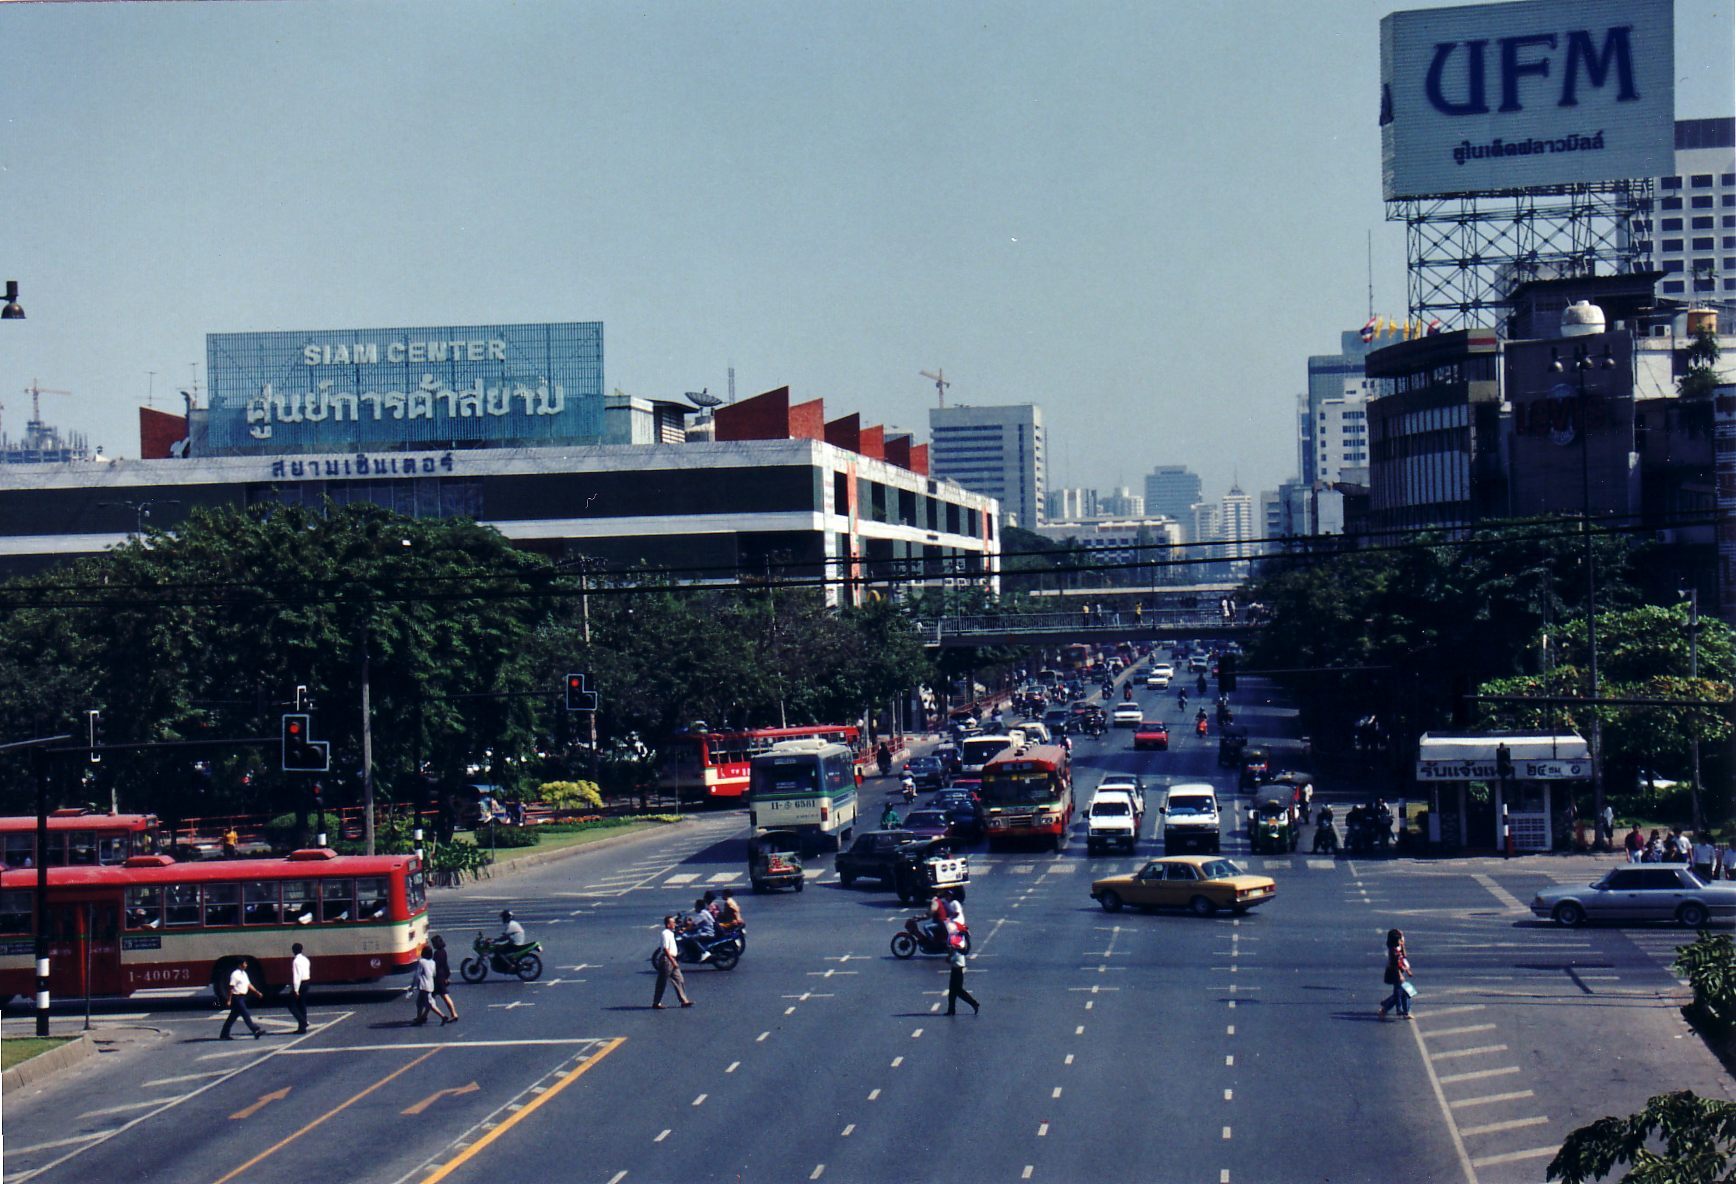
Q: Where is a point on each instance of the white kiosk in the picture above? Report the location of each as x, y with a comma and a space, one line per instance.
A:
1447, 762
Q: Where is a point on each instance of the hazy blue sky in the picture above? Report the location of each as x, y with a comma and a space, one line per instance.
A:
1141, 215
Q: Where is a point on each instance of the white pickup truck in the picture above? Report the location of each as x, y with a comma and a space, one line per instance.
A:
1114, 817
1190, 819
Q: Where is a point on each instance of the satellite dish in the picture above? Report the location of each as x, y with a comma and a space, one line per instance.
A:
704, 398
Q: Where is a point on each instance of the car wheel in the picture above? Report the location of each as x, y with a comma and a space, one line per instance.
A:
845, 879
1202, 906
759, 885
800, 884
1692, 914
1568, 915
1110, 901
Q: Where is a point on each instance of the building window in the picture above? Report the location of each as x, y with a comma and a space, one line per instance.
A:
1702, 202
1672, 224
1705, 285
1702, 180
1729, 199
1703, 244
1673, 286
1672, 203
1670, 183
1672, 265
1727, 179
1730, 285
1730, 242
1703, 223
1643, 246
1672, 244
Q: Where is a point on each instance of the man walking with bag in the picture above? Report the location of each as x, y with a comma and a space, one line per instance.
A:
666, 959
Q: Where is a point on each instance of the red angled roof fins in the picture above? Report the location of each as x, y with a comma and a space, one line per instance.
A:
771, 416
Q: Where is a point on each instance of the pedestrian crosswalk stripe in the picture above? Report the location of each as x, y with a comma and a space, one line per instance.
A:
683, 878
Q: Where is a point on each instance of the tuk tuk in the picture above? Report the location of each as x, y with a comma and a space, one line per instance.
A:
1231, 741
1255, 764
1272, 827
773, 862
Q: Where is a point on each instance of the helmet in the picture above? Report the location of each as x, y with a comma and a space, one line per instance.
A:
506, 914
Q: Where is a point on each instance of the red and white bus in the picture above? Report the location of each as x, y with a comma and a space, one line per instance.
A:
79, 838
1028, 794
152, 922
716, 766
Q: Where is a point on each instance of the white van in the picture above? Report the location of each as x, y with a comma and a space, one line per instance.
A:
1190, 818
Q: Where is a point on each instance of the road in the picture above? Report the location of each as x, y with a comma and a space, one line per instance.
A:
1110, 1047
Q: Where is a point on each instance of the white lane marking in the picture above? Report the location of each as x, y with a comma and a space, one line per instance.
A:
873, 1095
1435, 1083
1229, 1095
1068, 1060
122, 1109
1026, 1174
662, 1136
1230, 1030
1229, 1061
761, 1038
1510, 1124
72, 1142
723, 877
1436, 1013
1489, 1099
1512, 903
897, 1061
1042, 1129
733, 1066
1477, 1074
1079, 1031
700, 1100
819, 1168
846, 1131
185, 1077
1056, 1093
1226, 1132
617, 1177
1460, 1031
1489, 1161
1480, 1050
916, 1035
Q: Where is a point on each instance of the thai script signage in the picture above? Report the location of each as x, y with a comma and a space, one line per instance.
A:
1475, 770
360, 465
472, 386
1494, 97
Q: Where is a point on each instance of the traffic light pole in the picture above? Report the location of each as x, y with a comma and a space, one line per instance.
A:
39, 763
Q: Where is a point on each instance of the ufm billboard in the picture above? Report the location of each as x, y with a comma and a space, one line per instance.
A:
1493, 97
455, 386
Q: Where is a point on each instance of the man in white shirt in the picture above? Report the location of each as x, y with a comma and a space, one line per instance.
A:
1704, 855
669, 967
240, 986
300, 972
513, 933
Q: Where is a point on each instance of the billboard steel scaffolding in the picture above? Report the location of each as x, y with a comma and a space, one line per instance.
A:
1466, 252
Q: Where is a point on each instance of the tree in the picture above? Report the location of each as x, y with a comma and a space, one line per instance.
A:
1697, 1136
1700, 375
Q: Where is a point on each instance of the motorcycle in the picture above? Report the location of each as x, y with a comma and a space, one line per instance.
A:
725, 948
523, 962
914, 938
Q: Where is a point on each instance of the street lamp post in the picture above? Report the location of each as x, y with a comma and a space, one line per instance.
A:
1694, 673
1583, 362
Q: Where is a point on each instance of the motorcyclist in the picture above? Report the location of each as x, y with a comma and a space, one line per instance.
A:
1200, 683
699, 929
729, 918
907, 787
1127, 693
933, 926
1200, 723
512, 935
1325, 838
1181, 699
889, 819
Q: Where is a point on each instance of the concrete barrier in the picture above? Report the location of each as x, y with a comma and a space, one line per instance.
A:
52, 1061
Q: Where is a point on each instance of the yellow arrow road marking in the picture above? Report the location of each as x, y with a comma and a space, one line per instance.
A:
437, 1095
276, 1095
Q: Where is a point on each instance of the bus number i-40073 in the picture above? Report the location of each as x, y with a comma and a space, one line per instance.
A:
156, 976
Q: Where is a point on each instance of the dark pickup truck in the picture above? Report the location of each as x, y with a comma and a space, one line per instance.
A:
893, 857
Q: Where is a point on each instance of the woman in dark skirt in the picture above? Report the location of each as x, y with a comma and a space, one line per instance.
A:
443, 983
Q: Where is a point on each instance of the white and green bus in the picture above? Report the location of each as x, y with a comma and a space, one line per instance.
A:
808, 787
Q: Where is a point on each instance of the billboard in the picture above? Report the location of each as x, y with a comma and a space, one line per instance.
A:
453, 386
1493, 97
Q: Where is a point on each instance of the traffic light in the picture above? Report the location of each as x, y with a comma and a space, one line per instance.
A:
1503, 761
579, 695
300, 754
93, 725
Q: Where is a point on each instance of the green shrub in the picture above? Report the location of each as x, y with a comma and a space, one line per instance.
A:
1709, 965
457, 860
507, 836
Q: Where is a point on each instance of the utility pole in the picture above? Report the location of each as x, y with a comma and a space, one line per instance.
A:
39, 762
1694, 672
367, 752
585, 619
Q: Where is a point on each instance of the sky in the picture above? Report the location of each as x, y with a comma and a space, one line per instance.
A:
1142, 216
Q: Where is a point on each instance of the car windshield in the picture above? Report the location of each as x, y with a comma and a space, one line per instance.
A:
1102, 809
1220, 869
1191, 806
935, 819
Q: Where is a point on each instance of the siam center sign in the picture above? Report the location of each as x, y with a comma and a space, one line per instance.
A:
1536, 94
470, 386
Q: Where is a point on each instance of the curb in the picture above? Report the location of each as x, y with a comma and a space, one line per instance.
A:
526, 863
52, 1061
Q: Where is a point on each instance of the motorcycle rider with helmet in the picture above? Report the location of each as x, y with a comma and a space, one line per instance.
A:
512, 936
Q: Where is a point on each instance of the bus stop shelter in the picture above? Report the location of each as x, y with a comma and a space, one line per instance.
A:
1450, 763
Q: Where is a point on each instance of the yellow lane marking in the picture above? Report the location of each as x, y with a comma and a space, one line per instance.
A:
455, 1092
276, 1095
334, 1111
516, 1117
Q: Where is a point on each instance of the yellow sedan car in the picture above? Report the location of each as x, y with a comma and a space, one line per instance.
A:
1203, 883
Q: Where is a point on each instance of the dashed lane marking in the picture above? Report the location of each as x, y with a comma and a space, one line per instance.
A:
873, 1095
1477, 1074
1489, 1161
845, 1133
819, 1170
1459, 1031
1511, 1124
1454, 1054
1490, 1099
664, 1135
1436, 1083
124, 1108
617, 1177
682, 878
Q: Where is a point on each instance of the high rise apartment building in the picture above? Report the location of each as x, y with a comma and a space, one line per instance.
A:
994, 451
1236, 524
1171, 491
1330, 376
1121, 502
1070, 503
1689, 234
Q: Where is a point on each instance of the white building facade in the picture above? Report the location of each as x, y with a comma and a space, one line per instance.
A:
998, 452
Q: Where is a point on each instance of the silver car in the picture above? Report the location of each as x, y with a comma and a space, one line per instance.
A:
1648, 892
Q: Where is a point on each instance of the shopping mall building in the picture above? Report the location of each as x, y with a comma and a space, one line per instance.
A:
509, 425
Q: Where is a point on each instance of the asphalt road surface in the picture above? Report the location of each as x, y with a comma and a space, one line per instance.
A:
1110, 1047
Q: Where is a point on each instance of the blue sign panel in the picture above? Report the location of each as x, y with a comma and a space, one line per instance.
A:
456, 386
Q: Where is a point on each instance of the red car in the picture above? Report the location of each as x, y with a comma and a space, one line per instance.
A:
1151, 733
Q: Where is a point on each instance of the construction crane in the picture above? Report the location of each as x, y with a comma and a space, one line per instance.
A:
36, 428
940, 383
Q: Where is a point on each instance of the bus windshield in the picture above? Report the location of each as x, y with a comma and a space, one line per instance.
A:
794, 775
1020, 788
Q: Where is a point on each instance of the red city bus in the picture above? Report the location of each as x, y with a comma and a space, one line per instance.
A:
153, 922
716, 766
1028, 794
78, 837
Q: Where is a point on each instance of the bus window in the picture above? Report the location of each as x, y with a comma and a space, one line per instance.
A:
300, 902
414, 892
259, 903
372, 899
222, 904
20, 846
57, 849
144, 843
111, 849
144, 907
337, 900
82, 846
15, 911
181, 905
